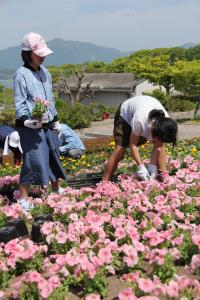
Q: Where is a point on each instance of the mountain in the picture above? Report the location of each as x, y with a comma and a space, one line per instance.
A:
65, 52
188, 45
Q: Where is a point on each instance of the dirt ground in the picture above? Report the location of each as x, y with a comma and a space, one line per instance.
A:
114, 287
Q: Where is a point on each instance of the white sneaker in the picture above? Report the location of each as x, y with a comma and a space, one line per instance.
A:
25, 204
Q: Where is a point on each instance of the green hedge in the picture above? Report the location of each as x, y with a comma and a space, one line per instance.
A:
171, 104
7, 117
81, 115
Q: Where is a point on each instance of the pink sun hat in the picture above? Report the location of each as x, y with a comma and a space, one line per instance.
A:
35, 42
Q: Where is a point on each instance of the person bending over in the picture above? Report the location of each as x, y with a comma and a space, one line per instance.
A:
140, 119
70, 143
10, 142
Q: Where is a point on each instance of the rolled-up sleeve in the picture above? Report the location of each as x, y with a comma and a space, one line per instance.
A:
20, 96
65, 140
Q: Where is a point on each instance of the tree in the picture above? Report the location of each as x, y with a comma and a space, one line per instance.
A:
83, 90
193, 53
187, 80
157, 69
95, 67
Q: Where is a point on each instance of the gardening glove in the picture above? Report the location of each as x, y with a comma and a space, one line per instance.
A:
152, 171
34, 124
143, 173
23, 202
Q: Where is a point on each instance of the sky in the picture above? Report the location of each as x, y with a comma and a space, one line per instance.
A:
126, 25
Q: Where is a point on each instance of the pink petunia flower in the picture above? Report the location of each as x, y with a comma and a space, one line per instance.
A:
172, 289
93, 297
145, 285
61, 237
127, 294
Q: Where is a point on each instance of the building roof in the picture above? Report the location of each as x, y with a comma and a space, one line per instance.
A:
105, 81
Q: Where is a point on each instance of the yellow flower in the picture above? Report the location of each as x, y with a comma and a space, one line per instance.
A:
112, 144
193, 151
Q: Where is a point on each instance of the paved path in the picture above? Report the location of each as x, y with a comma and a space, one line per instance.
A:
105, 128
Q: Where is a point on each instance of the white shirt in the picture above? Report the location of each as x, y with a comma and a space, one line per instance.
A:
135, 111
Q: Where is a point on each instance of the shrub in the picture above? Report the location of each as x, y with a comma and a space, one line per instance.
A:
179, 105
172, 104
97, 111
7, 117
197, 118
81, 115
77, 116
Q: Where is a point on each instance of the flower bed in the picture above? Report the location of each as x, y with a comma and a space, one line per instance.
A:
143, 234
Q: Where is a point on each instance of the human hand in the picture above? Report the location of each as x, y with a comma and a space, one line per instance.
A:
153, 171
34, 124
143, 173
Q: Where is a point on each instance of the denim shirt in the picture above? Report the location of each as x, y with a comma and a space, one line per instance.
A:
69, 139
4, 132
28, 85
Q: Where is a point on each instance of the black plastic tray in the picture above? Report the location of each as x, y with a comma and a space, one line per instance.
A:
88, 180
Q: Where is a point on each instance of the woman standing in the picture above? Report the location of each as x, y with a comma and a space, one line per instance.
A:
39, 140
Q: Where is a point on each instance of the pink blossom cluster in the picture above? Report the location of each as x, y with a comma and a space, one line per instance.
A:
116, 229
9, 180
154, 289
18, 251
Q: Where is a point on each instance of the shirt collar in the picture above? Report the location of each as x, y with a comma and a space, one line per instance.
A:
31, 68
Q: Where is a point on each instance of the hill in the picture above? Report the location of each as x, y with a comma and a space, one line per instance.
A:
65, 52
188, 45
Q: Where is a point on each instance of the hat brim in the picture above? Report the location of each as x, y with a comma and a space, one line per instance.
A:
18, 145
42, 52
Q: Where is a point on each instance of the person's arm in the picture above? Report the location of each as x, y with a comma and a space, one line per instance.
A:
64, 139
20, 96
134, 139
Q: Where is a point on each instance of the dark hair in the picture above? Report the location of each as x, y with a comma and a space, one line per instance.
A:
165, 129
26, 57
156, 113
